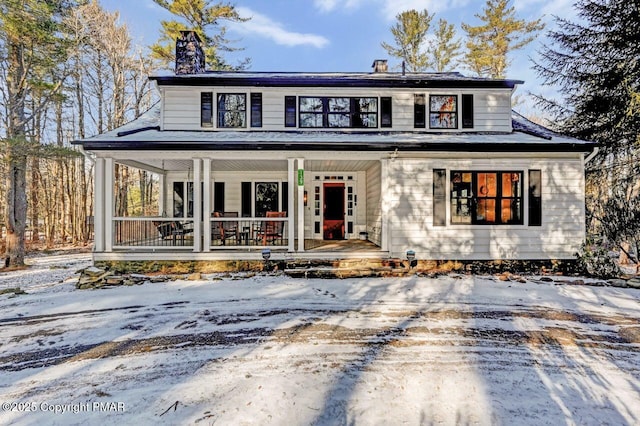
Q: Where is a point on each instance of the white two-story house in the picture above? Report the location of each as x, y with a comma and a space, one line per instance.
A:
321, 165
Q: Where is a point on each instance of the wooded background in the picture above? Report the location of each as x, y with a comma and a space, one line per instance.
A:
69, 70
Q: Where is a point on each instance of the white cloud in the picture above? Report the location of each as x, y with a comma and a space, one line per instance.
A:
390, 8
266, 27
326, 6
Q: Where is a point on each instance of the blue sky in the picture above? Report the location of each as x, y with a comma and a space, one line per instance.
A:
338, 35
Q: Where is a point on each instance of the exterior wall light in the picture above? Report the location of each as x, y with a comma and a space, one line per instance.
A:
305, 198
266, 254
411, 257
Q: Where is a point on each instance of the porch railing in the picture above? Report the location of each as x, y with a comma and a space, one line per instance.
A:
140, 232
177, 233
246, 232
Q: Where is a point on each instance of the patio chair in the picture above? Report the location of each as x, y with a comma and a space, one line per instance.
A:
271, 230
171, 229
224, 230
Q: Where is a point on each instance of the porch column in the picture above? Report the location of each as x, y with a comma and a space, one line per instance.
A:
108, 204
290, 209
197, 203
300, 186
161, 195
384, 188
98, 208
207, 205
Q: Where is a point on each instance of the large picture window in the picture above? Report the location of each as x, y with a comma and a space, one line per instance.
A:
319, 112
486, 198
443, 112
232, 110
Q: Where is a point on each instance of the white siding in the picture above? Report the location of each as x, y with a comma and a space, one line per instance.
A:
559, 237
232, 186
181, 108
374, 208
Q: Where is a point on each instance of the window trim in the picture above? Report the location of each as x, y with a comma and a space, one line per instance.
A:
248, 190
440, 112
473, 198
326, 113
219, 111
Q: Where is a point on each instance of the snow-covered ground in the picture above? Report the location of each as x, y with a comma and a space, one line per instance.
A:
276, 350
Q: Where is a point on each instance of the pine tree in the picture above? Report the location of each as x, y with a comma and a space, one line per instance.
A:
489, 44
409, 33
445, 49
595, 66
204, 18
32, 44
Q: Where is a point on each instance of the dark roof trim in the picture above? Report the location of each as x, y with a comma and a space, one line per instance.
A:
134, 131
333, 81
322, 146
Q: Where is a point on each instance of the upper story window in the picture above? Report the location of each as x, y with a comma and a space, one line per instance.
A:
232, 110
206, 109
338, 112
443, 112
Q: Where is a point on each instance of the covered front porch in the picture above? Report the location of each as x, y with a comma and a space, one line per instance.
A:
233, 205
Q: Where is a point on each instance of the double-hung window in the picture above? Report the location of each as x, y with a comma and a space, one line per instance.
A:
232, 110
443, 112
338, 112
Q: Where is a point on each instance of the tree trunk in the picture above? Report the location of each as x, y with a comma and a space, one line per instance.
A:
33, 197
16, 208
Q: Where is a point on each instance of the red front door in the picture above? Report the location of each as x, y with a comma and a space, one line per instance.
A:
333, 216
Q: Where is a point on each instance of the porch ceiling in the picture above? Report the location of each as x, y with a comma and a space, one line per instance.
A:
255, 165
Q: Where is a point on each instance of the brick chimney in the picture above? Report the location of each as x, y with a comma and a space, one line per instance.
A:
380, 65
189, 53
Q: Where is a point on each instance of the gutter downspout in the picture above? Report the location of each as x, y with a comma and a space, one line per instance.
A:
595, 152
86, 154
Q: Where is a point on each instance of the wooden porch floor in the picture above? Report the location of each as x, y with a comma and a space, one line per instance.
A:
340, 245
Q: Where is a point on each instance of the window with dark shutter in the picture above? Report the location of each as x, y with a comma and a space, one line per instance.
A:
439, 197
206, 109
535, 198
467, 111
486, 198
232, 110
290, 111
256, 110
385, 112
419, 111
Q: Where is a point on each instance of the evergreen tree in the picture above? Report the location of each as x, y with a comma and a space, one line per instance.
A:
595, 66
32, 45
204, 18
409, 34
445, 49
489, 44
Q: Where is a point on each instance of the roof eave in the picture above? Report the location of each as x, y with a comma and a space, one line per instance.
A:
334, 81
